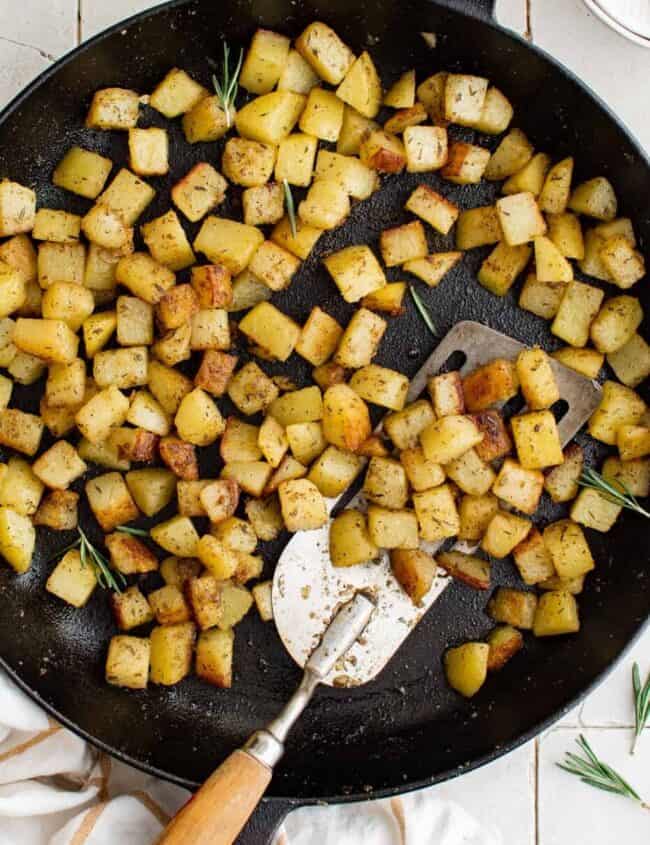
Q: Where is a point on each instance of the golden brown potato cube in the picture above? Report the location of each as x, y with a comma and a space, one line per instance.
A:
504, 642
152, 489
622, 262
466, 667
122, 368
392, 529
633, 441
382, 151
131, 609
134, 321
263, 204
521, 220
568, 548
537, 440
530, 178
385, 483
171, 653
519, 487
20, 431
550, 264
167, 242
421, 473
114, 108
561, 483
12, 290
177, 306
59, 466
326, 205
220, 499
387, 299
289, 469
205, 122
212, 285
319, 337
490, 384
334, 470
26, 369
513, 607
274, 265
70, 303
214, 656
361, 87
415, 571
541, 298
60, 263
355, 271
471, 570
578, 307
433, 208
302, 504
248, 566
475, 514
81, 172
106, 229
66, 384
594, 511
616, 323
401, 94
594, 198
300, 244
265, 517
215, 371
204, 598
97, 331
129, 555
251, 476
565, 232
446, 391
127, 196
149, 151
403, 243
381, 386
236, 534
537, 379
360, 340
272, 441
167, 385
478, 227
127, 663
635, 475
533, 559
200, 191
557, 613
466, 163
263, 600
177, 94
554, 196
436, 513
513, 153
448, 438
198, 420
248, 163
188, 494
17, 208
177, 536
251, 390
504, 532
176, 571
358, 180
236, 602
134, 444
404, 427
425, 147
329, 374
619, 405
470, 473
144, 277
325, 52
18, 252
269, 328
72, 580
346, 421
571, 585
353, 131
17, 539
322, 118
265, 60
297, 74
464, 98
58, 510
56, 226
169, 606
271, 117
349, 541
433, 268
631, 363
112, 504
210, 329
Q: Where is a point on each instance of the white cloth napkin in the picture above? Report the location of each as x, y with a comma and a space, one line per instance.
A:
56, 790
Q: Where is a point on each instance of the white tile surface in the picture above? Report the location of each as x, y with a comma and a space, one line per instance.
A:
524, 795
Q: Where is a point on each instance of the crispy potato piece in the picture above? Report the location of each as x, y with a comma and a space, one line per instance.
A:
446, 391
594, 198
464, 98
393, 529
490, 384
403, 243
475, 513
360, 340
381, 386
127, 662
466, 163
554, 196
415, 571
478, 227
631, 363
130, 609
177, 94
334, 470
470, 473
172, 647
382, 151
616, 323
265, 60
404, 427
129, 555
619, 405
346, 421
557, 613
568, 548
541, 298
169, 606
361, 87
401, 94
355, 271
448, 438
58, 510
561, 483
466, 667
177, 536
537, 379
520, 218
504, 641
270, 117
530, 178
152, 489
385, 483
594, 511
471, 570
214, 656
302, 504
533, 559
206, 121
514, 607
504, 532
326, 53
433, 208
72, 581
436, 513
349, 540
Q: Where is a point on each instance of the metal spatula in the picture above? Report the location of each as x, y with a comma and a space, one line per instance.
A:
344, 624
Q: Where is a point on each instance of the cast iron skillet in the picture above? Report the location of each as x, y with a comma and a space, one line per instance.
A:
407, 729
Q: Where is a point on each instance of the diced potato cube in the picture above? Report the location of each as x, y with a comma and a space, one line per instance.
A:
262, 596
274, 265
360, 340
471, 570
385, 483
541, 298
537, 440
228, 242
470, 473
177, 536
214, 656
149, 151
594, 198
198, 420
56, 226
268, 327
619, 405
404, 427
212, 285
561, 483
144, 277
297, 74
127, 663
550, 264
325, 52
403, 243
466, 667
594, 511
631, 363
176, 571
633, 441
205, 122
415, 571
565, 232
251, 390
334, 470
20, 431
557, 613
199, 192
61, 263
346, 421
248, 163
501, 268
433, 208
475, 513
204, 597
271, 117
306, 441
448, 438
354, 129
131, 609
167, 385
263, 204
298, 406
177, 94
436, 513
167, 242
251, 476
578, 307
97, 331
70, 303
466, 163
71, 580
361, 87
504, 532
350, 542
113, 108
401, 94
533, 559
219, 499
513, 153
304, 240
520, 218
622, 262
82, 172
20, 487
210, 329
514, 607
554, 196
111, 502
265, 517
319, 337
392, 529
425, 148
616, 323
59, 466
172, 647
382, 151
478, 227
568, 548
106, 229
168, 605
326, 205
504, 642
152, 489
381, 386
121, 368
17, 208
358, 180
530, 178
537, 379
265, 60
302, 504
356, 272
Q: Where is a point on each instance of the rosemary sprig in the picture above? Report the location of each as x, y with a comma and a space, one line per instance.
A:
229, 86
291, 207
641, 704
134, 532
424, 311
594, 772
91, 556
618, 492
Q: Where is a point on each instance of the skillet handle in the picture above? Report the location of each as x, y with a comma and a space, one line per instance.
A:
483, 9
219, 810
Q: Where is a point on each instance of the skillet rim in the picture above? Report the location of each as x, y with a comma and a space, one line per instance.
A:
291, 802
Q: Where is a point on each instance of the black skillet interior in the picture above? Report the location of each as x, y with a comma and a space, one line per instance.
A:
406, 728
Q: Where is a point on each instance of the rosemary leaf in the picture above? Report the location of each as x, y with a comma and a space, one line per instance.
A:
227, 88
596, 773
134, 532
641, 704
618, 492
291, 207
424, 311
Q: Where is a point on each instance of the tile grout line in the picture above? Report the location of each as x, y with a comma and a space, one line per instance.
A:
79, 21
528, 34
536, 802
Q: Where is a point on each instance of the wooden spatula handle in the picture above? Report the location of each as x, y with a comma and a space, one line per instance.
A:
223, 805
